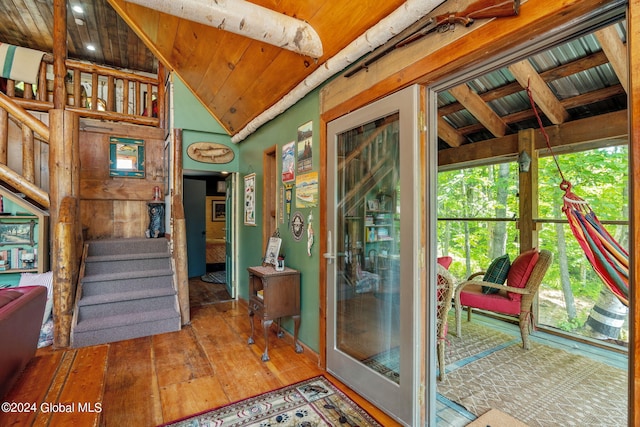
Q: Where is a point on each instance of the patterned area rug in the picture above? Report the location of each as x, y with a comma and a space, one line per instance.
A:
314, 402
495, 418
215, 277
543, 386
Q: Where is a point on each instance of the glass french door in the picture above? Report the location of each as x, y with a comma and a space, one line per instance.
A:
373, 237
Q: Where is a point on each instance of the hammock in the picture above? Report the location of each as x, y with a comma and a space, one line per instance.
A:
609, 259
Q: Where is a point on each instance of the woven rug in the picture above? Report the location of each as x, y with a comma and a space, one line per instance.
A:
496, 418
314, 402
215, 277
544, 386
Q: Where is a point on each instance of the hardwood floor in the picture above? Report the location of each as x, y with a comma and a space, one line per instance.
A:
153, 380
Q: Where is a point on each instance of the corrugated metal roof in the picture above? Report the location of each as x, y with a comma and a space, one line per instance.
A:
598, 77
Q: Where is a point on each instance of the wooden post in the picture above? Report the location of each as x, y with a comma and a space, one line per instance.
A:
162, 93
4, 135
111, 93
179, 231
64, 185
633, 49
66, 270
42, 82
28, 154
528, 191
59, 53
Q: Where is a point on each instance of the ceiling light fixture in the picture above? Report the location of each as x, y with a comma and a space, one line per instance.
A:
91, 47
77, 9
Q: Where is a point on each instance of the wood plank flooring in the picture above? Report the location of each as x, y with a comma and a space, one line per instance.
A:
154, 380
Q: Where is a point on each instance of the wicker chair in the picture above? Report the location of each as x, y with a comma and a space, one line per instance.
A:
445, 287
510, 299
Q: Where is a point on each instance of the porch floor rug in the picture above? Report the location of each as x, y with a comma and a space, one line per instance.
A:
543, 386
215, 277
496, 418
313, 402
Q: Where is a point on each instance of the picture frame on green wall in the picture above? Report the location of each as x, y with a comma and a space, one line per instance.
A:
250, 199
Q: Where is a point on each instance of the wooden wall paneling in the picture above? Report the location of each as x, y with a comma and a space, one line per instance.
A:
184, 47
97, 218
130, 218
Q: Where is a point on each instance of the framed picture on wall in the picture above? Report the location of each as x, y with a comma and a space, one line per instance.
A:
218, 210
250, 199
272, 251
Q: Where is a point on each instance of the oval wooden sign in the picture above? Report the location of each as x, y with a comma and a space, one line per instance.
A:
210, 152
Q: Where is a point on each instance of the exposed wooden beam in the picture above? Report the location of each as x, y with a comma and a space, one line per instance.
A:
449, 134
564, 70
479, 109
610, 127
616, 52
527, 76
247, 19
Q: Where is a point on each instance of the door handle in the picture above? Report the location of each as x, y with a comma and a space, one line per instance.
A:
330, 256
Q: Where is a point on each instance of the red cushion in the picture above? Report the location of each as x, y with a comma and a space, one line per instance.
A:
472, 296
520, 271
445, 261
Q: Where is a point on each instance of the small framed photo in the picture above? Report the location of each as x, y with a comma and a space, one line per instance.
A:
218, 210
272, 252
221, 187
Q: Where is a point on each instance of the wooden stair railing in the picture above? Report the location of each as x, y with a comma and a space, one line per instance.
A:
23, 183
115, 95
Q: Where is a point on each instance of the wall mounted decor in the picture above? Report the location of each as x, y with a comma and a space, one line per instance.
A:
305, 147
210, 152
250, 199
126, 157
288, 162
307, 190
17, 232
218, 210
297, 226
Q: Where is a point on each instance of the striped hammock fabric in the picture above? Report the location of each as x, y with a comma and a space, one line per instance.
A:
19, 63
609, 259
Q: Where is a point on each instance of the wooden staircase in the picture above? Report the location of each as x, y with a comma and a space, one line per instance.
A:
127, 291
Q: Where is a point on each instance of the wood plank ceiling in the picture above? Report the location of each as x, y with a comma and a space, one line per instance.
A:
238, 78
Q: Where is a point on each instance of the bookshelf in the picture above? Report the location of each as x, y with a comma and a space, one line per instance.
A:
24, 235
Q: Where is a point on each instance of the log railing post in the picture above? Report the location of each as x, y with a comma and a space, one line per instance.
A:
179, 230
28, 154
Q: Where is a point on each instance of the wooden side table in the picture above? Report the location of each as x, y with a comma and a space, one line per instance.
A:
273, 295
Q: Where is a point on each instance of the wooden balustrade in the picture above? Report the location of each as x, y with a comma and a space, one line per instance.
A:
102, 93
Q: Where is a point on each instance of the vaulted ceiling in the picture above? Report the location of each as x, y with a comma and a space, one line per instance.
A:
237, 78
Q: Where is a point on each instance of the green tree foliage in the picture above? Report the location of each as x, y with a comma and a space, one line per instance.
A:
599, 176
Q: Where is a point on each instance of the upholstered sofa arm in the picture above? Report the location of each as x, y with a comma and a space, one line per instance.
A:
21, 311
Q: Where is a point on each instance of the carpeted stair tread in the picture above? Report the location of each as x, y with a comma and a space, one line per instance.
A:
127, 257
125, 296
125, 275
124, 320
127, 291
129, 245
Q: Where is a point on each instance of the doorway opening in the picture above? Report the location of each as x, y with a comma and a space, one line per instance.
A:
209, 224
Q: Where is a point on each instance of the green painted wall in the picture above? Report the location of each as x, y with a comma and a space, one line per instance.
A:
281, 131
198, 125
